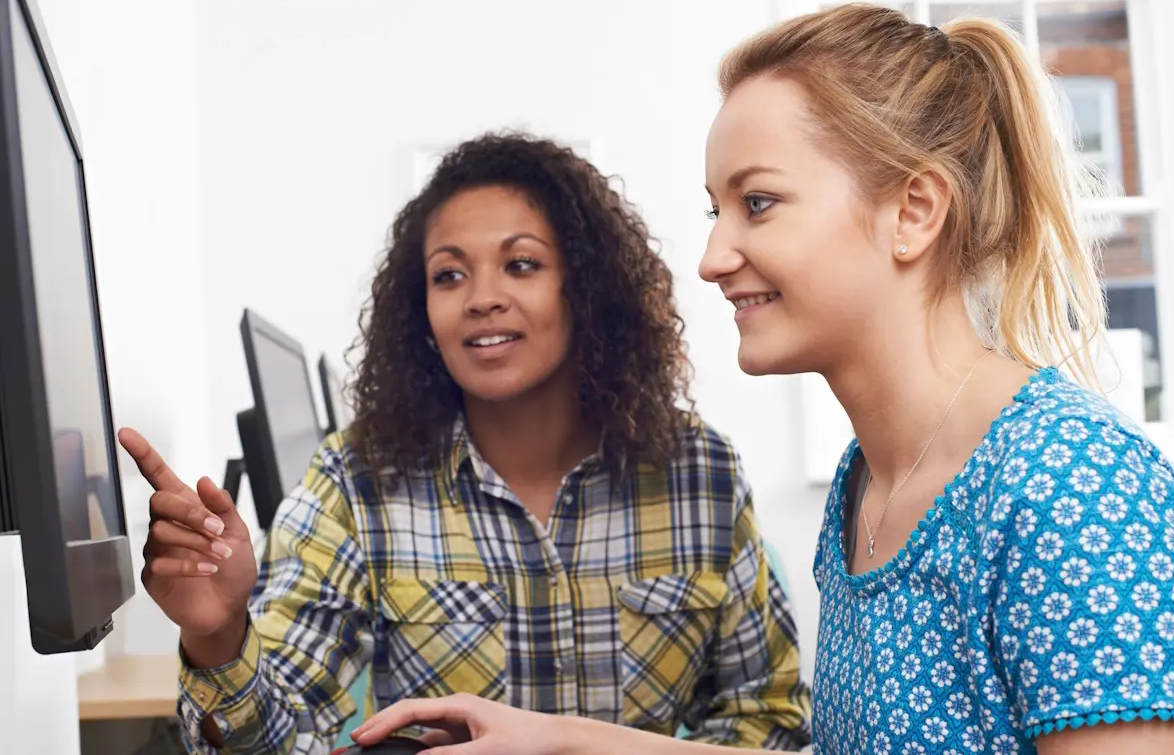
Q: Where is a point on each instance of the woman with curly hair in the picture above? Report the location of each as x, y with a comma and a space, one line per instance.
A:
520, 510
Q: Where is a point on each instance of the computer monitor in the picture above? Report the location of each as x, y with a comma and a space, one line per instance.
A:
59, 482
280, 434
338, 411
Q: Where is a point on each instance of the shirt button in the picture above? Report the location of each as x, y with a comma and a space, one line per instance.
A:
554, 582
558, 666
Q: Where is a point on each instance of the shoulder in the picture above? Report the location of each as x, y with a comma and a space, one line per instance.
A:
332, 483
1076, 537
1074, 476
1064, 440
336, 465
706, 453
704, 443
707, 468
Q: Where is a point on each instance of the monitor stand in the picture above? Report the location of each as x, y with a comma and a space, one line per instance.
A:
236, 469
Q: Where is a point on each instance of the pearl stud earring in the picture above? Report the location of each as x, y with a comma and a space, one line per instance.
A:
902, 249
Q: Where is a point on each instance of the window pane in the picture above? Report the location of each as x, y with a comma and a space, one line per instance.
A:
1086, 46
1093, 100
1133, 381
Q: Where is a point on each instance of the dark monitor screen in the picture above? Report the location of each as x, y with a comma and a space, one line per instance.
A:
58, 435
284, 414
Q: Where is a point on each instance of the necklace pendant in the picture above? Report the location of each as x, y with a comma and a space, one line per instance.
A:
870, 544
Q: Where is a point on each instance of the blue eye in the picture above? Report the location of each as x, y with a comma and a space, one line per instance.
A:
757, 204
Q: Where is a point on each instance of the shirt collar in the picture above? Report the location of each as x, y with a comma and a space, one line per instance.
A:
462, 451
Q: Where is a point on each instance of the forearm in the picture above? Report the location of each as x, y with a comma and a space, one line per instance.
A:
590, 737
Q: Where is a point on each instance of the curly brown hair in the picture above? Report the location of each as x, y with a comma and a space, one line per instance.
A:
627, 338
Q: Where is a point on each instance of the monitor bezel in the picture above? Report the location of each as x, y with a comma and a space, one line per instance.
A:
269, 483
97, 573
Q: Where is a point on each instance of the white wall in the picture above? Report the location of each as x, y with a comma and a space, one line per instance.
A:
38, 719
308, 113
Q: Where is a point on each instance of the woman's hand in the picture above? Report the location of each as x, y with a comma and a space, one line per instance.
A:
465, 724
200, 565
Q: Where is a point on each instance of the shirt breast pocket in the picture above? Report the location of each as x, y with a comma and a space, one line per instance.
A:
667, 624
445, 636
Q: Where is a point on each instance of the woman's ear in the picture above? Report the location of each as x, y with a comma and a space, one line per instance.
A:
922, 209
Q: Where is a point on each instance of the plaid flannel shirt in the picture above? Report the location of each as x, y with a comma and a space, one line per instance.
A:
650, 606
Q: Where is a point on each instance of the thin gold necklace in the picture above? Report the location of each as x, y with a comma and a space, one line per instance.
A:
868, 485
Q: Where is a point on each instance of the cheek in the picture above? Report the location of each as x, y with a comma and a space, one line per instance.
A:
548, 310
823, 264
443, 315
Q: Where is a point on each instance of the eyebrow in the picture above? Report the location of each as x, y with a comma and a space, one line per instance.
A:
740, 176
506, 245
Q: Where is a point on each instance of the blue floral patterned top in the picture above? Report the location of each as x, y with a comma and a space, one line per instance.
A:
1036, 594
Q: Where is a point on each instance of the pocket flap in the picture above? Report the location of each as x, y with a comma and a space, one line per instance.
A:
675, 592
419, 601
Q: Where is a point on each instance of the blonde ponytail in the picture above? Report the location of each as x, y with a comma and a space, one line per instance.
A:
1046, 291
895, 99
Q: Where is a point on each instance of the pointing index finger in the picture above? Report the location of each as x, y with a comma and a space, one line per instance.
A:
150, 463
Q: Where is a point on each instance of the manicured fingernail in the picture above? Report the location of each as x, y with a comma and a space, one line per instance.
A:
220, 549
207, 568
214, 525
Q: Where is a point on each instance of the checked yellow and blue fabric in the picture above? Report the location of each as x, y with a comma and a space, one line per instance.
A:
648, 603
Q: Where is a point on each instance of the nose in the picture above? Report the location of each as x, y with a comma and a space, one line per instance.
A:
720, 260
486, 296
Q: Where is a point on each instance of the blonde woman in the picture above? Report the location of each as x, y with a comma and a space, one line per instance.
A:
893, 209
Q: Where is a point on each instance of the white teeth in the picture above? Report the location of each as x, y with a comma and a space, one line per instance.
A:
492, 340
749, 301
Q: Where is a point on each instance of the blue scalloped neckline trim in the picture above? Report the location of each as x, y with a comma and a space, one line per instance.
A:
1109, 717
899, 563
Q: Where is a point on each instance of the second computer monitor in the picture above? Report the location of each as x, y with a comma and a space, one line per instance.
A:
280, 435
338, 411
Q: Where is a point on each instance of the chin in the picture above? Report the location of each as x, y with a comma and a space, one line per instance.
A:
752, 366
497, 389
754, 359
757, 360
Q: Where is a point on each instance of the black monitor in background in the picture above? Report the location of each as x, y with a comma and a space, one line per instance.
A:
338, 411
59, 483
280, 434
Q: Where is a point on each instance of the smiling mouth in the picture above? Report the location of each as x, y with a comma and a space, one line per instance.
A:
483, 342
746, 302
